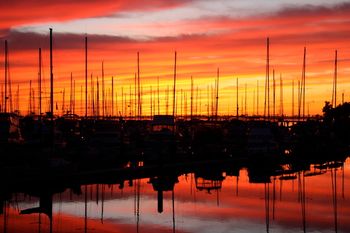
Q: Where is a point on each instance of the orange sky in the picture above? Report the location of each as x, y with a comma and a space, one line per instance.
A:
206, 36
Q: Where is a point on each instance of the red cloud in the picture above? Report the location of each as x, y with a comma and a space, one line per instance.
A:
17, 12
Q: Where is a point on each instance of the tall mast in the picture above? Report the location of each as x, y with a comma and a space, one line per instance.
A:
158, 95
191, 97
167, 100
103, 92
138, 87
267, 80
245, 99
71, 93
123, 110
86, 78
18, 97
151, 101
196, 112
135, 96
51, 79
181, 102
174, 88
281, 95
73, 96
30, 98
257, 97
293, 98
237, 108
268, 77
92, 95
98, 97
303, 82
299, 99
217, 94
39, 82
208, 101
113, 96
130, 101
274, 92
6, 77
253, 109
334, 94
81, 100
63, 100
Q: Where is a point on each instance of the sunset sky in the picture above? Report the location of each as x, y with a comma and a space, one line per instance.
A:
207, 35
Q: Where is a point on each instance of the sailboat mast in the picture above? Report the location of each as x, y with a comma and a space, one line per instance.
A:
334, 96
267, 80
268, 77
257, 97
274, 92
167, 100
135, 96
30, 98
103, 92
86, 78
192, 98
73, 96
151, 105
63, 100
299, 99
6, 77
39, 81
237, 108
18, 97
217, 94
158, 95
92, 95
138, 87
113, 96
281, 95
293, 98
245, 99
303, 82
174, 88
51, 79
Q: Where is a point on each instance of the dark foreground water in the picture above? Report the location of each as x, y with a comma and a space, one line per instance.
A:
316, 200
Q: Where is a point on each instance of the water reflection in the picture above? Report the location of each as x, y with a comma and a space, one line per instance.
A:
214, 197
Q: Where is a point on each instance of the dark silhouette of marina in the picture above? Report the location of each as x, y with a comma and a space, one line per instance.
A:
46, 154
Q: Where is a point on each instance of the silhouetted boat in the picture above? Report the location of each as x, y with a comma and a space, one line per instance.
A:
10, 133
160, 143
261, 141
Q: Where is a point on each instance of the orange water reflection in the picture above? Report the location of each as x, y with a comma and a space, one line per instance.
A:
311, 203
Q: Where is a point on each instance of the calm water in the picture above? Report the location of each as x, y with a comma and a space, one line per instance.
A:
302, 202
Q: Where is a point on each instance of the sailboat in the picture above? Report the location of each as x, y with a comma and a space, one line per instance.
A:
10, 133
